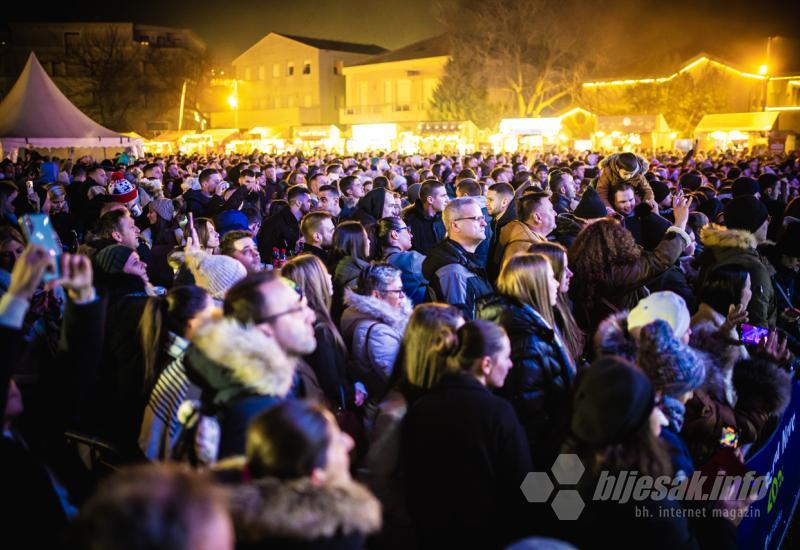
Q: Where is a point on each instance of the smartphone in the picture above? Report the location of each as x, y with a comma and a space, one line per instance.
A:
39, 230
191, 223
730, 437
752, 334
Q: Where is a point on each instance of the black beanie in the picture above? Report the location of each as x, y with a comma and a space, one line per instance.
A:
691, 180
745, 212
744, 186
612, 401
660, 190
590, 206
767, 181
112, 258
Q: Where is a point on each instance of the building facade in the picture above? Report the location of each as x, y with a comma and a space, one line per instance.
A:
288, 81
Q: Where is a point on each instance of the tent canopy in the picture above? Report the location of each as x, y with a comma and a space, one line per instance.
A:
36, 113
743, 122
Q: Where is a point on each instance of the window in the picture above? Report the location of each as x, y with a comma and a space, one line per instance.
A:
403, 91
276, 70
363, 92
290, 101
290, 69
388, 91
262, 72
306, 67
248, 73
307, 100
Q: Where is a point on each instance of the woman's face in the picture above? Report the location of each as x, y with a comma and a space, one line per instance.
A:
393, 293
10, 252
552, 285
135, 266
152, 216
337, 466
367, 244
566, 277
747, 293
213, 236
501, 364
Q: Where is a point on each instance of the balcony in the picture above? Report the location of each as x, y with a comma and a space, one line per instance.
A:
386, 112
288, 116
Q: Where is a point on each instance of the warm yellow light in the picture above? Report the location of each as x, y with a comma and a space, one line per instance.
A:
233, 102
762, 70
673, 135
599, 134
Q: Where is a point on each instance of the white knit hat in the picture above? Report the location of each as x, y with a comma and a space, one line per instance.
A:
215, 273
666, 306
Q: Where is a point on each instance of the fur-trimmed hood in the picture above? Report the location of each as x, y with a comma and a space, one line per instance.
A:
232, 359
762, 385
269, 508
377, 309
718, 236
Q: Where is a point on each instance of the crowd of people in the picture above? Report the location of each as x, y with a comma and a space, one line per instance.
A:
330, 351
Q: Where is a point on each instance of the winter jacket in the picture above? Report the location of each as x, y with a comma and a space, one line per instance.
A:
281, 231
345, 275
492, 267
539, 383
627, 283
609, 177
455, 277
241, 372
299, 513
373, 330
737, 247
515, 238
425, 231
464, 455
329, 363
409, 262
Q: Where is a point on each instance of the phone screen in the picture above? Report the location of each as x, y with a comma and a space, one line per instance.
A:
752, 334
39, 230
730, 437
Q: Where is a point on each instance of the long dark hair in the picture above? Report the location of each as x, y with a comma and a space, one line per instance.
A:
163, 315
476, 340
349, 239
723, 287
288, 441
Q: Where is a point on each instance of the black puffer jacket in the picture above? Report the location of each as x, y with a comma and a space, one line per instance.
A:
455, 276
425, 231
539, 383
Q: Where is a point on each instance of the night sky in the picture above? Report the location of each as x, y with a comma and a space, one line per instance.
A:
230, 26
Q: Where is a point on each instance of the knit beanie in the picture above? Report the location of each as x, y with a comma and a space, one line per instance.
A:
590, 206
744, 186
673, 368
665, 306
660, 190
121, 189
164, 208
215, 273
112, 258
230, 220
767, 181
613, 400
745, 212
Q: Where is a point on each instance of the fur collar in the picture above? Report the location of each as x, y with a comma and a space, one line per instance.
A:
612, 337
379, 310
300, 510
717, 236
248, 357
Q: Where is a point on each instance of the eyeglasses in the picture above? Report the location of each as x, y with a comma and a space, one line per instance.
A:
301, 301
473, 218
406, 228
400, 292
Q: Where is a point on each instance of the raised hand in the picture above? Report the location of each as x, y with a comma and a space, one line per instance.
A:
76, 277
28, 271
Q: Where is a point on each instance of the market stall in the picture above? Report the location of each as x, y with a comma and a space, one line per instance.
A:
633, 132
735, 130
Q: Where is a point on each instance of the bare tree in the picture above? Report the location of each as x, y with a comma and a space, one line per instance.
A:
532, 54
108, 65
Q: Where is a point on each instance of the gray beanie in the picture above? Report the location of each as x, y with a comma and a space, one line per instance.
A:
215, 273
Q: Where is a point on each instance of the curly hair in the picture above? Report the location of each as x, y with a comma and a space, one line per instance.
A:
598, 248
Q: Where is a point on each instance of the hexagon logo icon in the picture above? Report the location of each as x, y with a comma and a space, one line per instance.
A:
568, 469
568, 505
537, 487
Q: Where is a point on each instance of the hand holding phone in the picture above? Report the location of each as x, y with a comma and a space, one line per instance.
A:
39, 231
755, 335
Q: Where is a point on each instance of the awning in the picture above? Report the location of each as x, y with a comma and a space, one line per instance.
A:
133, 135
632, 124
743, 122
268, 132
221, 134
173, 135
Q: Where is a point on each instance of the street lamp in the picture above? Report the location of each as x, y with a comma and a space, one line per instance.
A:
233, 101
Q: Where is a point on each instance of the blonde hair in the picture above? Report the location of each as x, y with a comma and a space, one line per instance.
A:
524, 278
428, 340
309, 274
573, 336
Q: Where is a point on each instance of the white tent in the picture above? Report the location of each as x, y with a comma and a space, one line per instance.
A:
36, 114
